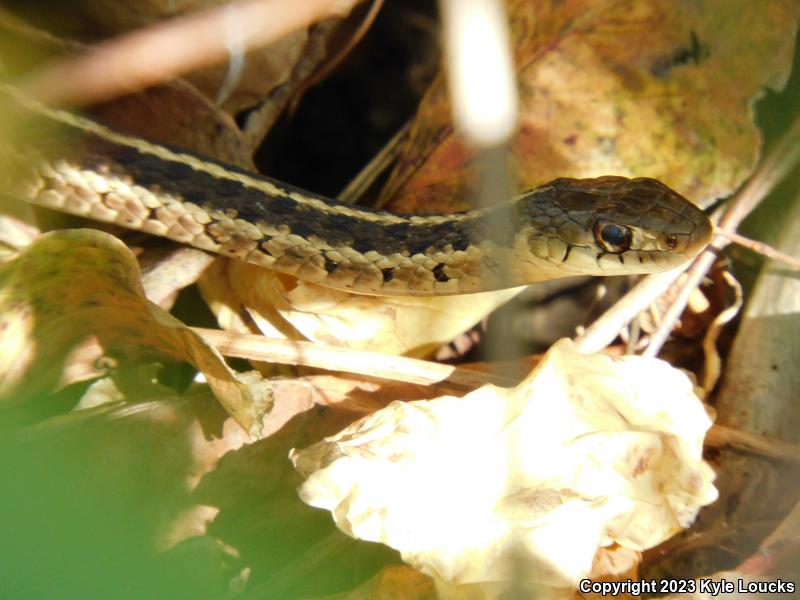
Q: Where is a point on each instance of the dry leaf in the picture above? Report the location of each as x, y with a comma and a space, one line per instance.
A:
166, 271
176, 113
588, 451
644, 88
263, 71
73, 284
393, 325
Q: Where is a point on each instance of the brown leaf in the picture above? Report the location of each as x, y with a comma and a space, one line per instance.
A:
176, 113
657, 89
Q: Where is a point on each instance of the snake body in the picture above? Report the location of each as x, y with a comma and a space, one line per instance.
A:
604, 226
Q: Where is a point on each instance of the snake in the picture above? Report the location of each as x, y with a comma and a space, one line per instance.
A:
607, 225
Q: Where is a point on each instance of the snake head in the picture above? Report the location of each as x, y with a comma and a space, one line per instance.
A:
610, 226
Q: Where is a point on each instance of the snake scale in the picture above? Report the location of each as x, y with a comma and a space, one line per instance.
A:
603, 226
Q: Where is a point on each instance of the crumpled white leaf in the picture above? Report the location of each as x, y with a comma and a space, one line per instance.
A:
586, 452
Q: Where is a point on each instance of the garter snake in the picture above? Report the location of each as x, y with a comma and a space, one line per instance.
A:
604, 226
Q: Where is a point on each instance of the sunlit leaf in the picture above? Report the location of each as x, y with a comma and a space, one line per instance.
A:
73, 284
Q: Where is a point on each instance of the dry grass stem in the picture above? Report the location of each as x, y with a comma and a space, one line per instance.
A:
761, 248
720, 436
383, 366
697, 271
382, 160
445, 377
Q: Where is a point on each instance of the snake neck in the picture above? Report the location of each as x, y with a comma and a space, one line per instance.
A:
108, 176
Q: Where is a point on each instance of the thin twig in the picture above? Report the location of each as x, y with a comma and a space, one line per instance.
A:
358, 186
421, 372
761, 248
333, 358
697, 271
603, 331
720, 436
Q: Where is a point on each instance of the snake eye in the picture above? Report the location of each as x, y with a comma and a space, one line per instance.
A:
613, 238
671, 241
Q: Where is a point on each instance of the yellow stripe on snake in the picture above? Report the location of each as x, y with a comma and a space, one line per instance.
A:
603, 226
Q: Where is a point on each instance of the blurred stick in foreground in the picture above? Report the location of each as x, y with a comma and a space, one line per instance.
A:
148, 56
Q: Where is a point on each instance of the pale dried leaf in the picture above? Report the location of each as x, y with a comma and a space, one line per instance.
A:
166, 272
413, 326
16, 232
588, 451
